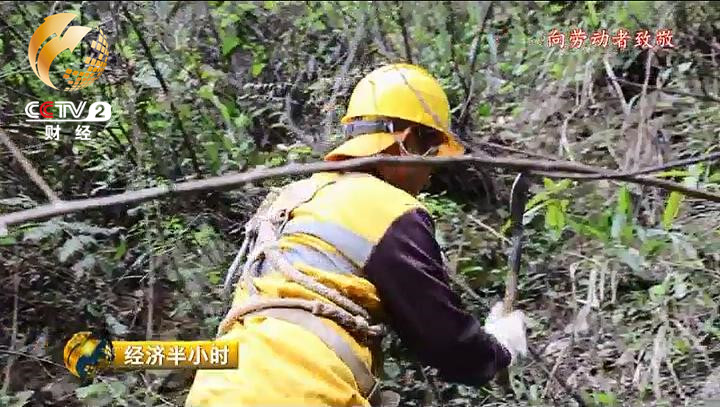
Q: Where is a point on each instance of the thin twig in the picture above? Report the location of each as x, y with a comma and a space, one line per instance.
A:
644, 114
513, 150
403, 29
13, 334
489, 229
555, 375
230, 181
471, 71
29, 356
437, 396
28, 168
564, 144
151, 59
614, 81
382, 44
151, 281
340, 79
671, 91
656, 168
450, 27
307, 138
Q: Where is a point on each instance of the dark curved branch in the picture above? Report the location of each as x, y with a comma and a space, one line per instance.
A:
224, 182
153, 63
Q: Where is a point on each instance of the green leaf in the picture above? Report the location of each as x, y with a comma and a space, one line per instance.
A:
213, 152
657, 291
230, 42
672, 173
206, 92
555, 218
588, 230
257, 67
672, 208
592, 14
520, 69
605, 398
120, 250
638, 8
7, 241
653, 246
624, 204
484, 109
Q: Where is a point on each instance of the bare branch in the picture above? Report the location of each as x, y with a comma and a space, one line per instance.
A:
653, 169
403, 29
341, 78
471, 72
616, 86
28, 168
186, 137
450, 27
230, 181
671, 91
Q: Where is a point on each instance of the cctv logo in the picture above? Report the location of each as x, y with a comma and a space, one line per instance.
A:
67, 112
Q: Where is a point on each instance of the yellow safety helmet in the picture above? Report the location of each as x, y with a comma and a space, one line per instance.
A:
398, 91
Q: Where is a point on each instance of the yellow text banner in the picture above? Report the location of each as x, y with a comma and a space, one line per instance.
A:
175, 354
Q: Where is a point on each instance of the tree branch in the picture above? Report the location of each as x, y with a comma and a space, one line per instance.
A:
28, 167
230, 181
186, 137
653, 169
341, 78
403, 29
707, 98
471, 72
450, 27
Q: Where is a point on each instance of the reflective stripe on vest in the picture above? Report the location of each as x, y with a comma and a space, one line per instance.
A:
353, 246
324, 261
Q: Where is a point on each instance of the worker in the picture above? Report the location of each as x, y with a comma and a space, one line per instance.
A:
336, 256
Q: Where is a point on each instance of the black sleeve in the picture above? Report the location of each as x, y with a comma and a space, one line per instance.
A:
407, 269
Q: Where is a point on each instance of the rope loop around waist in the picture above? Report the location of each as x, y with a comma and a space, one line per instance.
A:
359, 327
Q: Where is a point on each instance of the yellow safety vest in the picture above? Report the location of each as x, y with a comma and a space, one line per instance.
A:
318, 250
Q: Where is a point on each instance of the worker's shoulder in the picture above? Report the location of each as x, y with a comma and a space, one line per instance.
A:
368, 193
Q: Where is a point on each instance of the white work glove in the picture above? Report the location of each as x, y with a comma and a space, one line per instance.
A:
508, 330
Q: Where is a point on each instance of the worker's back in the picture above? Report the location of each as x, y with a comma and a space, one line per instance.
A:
329, 239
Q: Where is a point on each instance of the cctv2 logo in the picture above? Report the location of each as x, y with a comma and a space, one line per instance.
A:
53, 37
67, 112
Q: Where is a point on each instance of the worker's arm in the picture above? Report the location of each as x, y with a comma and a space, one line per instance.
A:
407, 269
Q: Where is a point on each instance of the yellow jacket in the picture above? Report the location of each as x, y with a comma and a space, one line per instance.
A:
341, 239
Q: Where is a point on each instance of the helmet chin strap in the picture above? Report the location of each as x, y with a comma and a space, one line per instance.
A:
431, 152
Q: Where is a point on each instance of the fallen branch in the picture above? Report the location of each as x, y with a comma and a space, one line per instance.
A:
555, 375
224, 182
